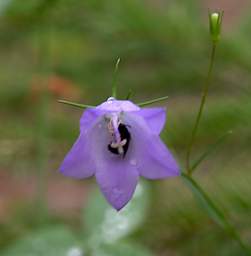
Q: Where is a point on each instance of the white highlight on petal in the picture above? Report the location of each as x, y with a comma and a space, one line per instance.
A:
113, 105
133, 162
110, 99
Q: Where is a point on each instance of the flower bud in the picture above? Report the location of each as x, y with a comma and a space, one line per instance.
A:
215, 20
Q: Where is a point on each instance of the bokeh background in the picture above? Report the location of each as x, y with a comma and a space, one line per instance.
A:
67, 49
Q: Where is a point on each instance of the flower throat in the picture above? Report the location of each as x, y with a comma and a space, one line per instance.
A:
120, 146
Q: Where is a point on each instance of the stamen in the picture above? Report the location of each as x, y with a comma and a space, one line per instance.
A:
120, 136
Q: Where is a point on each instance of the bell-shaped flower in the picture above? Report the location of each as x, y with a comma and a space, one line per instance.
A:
118, 142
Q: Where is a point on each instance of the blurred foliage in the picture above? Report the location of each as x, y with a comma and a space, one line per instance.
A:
54, 49
105, 232
106, 225
52, 242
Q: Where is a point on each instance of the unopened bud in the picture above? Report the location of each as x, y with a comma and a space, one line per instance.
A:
215, 20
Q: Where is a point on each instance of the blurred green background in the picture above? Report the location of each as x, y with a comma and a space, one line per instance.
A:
67, 49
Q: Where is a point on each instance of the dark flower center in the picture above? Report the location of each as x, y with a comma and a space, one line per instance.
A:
124, 135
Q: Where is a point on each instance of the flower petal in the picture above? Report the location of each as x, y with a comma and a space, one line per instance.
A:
154, 117
149, 153
78, 163
118, 105
115, 175
88, 118
117, 180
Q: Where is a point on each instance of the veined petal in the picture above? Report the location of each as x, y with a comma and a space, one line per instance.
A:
116, 176
88, 118
149, 153
117, 180
118, 105
154, 117
78, 162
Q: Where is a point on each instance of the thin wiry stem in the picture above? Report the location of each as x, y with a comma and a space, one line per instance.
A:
202, 103
114, 81
209, 150
129, 95
78, 105
142, 104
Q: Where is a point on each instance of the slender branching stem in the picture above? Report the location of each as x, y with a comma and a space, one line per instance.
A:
202, 104
129, 95
142, 104
211, 149
78, 105
114, 80
215, 212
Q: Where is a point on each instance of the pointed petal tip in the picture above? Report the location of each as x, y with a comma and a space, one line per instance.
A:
63, 171
75, 174
175, 171
119, 208
118, 205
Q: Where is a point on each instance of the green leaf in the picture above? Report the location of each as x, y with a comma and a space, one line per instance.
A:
56, 241
121, 249
106, 225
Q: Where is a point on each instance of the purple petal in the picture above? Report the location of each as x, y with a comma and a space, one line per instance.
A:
117, 180
118, 105
88, 118
116, 176
78, 162
149, 153
154, 117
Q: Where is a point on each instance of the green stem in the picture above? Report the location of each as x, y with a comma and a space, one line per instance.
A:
202, 103
209, 150
142, 104
114, 81
129, 95
75, 104
215, 212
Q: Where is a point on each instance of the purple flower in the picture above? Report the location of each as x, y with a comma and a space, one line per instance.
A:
119, 142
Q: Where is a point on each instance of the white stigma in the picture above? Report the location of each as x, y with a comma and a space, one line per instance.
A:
113, 129
119, 146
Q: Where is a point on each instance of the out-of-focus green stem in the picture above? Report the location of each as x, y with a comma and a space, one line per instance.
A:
212, 209
114, 81
129, 95
78, 105
209, 150
41, 141
142, 104
202, 103
215, 212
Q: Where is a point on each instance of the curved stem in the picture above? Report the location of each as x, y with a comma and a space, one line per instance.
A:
215, 212
202, 103
209, 150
